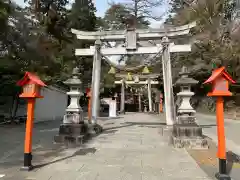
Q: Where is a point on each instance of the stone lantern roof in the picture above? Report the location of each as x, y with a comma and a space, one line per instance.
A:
74, 80
184, 79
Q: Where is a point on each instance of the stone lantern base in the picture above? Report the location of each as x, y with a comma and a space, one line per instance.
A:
76, 134
73, 130
71, 134
187, 134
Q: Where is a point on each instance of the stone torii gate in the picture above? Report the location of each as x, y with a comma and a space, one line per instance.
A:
148, 80
131, 36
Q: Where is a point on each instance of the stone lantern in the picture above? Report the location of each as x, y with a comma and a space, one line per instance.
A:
186, 132
73, 128
74, 113
185, 93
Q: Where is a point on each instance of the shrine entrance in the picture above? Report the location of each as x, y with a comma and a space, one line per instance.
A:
138, 96
150, 43
131, 103
131, 100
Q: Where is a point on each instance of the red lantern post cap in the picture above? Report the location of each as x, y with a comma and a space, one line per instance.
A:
219, 72
30, 77
220, 80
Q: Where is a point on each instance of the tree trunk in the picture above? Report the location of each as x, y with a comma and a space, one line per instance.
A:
14, 107
136, 13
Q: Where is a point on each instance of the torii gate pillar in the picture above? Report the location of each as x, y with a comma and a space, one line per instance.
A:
96, 73
149, 95
122, 104
167, 81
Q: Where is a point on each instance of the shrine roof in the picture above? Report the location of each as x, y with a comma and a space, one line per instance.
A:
30, 77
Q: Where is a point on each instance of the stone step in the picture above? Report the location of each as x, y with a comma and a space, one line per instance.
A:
73, 129
183, 119
187, 131
67, 139
190, 143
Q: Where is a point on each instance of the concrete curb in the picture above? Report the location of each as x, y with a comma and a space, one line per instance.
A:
214, 117
231, 146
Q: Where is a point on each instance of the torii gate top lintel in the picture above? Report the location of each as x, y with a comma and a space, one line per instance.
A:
131, 37
148, 34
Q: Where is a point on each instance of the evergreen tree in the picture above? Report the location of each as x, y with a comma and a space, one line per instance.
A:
82, 16
5, 10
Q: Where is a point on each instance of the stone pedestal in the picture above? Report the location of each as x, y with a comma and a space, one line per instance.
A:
186, 133
71, 134
73, 117
94, 130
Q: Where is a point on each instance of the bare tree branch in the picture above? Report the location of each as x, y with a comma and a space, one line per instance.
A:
144, 8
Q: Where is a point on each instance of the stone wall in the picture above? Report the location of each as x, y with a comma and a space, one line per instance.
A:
51, 107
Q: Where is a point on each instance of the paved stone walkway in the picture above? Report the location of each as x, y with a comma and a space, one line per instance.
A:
131, 148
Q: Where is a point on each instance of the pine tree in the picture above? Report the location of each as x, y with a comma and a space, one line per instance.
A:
83, 16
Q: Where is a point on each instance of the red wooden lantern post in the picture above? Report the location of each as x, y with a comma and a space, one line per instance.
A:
161, 103
220, 80
31, 90
89, 102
